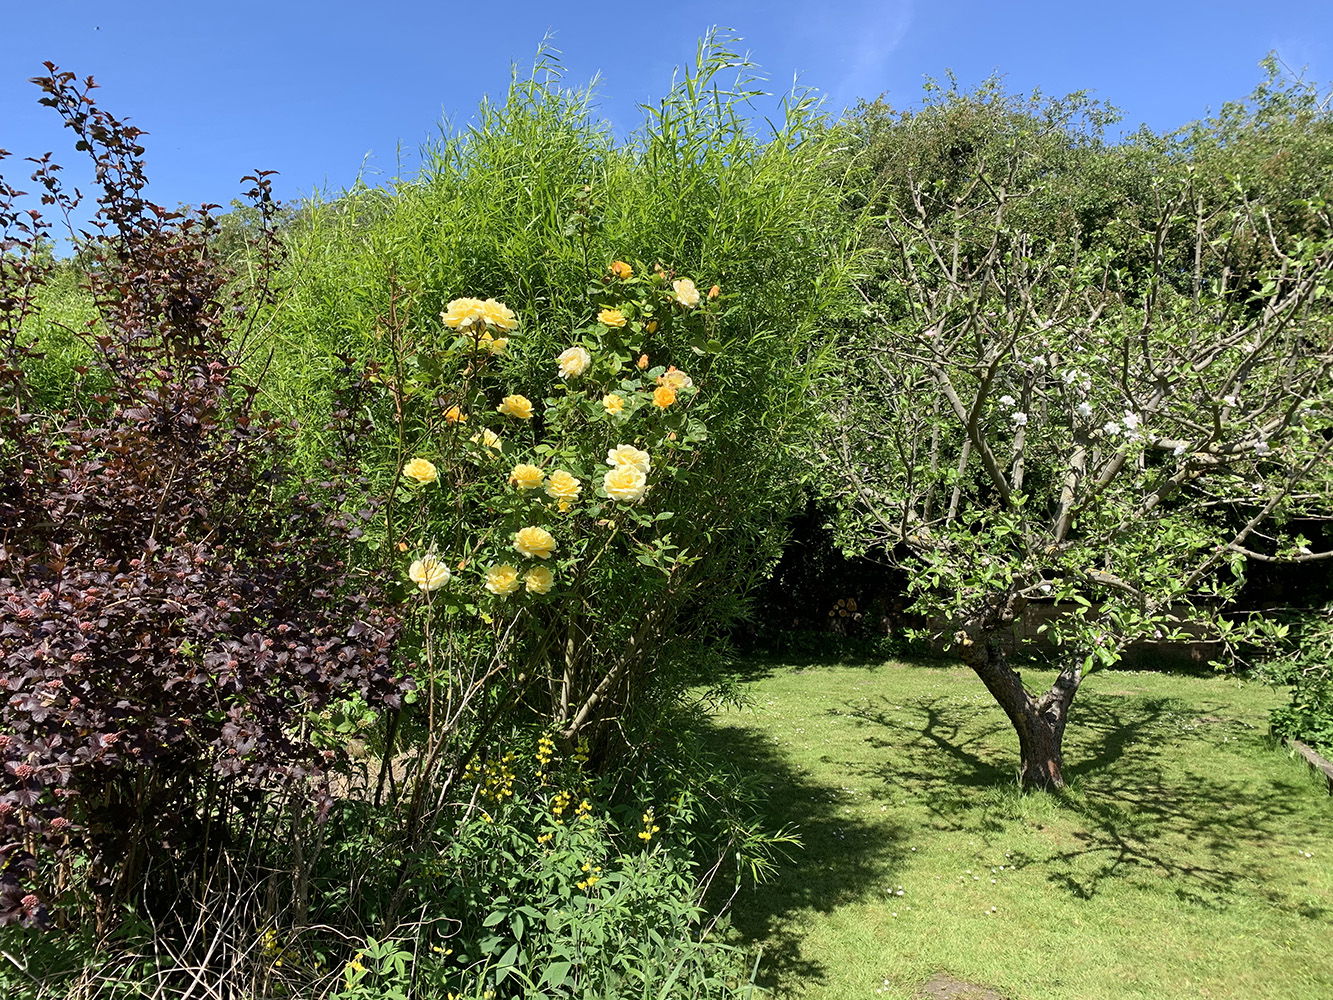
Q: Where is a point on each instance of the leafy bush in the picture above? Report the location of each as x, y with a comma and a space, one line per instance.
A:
1307, 666
165, 628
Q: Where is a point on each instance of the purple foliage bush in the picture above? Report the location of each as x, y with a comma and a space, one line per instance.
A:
173, 606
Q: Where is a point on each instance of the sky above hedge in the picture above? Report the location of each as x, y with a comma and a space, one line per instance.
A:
322, 91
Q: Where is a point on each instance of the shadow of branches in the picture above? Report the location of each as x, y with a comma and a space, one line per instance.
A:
840, 854
1150, 795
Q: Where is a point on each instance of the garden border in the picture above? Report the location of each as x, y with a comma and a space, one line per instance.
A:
1315, 760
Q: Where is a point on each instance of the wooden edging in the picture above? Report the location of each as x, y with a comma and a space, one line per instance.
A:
1313, 758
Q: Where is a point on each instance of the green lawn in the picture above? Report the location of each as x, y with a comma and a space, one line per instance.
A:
1191, 858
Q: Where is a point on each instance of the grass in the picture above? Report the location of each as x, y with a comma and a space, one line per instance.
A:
1190, 857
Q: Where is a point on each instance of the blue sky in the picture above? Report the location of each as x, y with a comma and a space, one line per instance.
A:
317, 90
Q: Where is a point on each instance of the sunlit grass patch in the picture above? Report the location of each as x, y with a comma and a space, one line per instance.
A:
1190, 857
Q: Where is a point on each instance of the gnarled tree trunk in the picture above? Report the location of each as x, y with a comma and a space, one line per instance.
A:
1039, 721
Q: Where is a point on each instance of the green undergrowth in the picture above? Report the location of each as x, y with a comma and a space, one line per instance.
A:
1189, 857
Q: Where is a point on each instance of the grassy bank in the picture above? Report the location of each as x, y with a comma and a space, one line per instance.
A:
1190, 858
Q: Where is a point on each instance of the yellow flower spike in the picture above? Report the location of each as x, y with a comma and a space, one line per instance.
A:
502, 580
421, 470
516, 406
535, 543
664, 396
613, 403
526, 477
611, 317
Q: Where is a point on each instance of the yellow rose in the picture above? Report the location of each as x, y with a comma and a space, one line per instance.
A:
613, 404
499, 315
486, 438
686, 294
516, 406
421, 470
626, 454
676, 378
535, 543
611, 317
428, 573
625, 483
455, 415
502, 580
493, 345
526, 477
622, 270
463, 313
539, 580
663, 396
573, 361
642, 363
563, 486
715, 291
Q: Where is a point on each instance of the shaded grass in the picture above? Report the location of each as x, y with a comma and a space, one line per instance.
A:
1174, 866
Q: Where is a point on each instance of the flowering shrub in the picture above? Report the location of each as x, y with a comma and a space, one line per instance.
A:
568, 504
165, 626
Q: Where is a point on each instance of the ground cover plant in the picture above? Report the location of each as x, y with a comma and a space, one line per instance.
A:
1189, 855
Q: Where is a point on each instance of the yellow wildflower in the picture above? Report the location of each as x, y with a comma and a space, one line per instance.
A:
611, 317
622, 270
685, 292
627, 454
535, 543
526, 477
421, 470
563, 486
428, 573
516, 406
663, 396
625, 483
649, 827
502, 580
573, 361
539, 580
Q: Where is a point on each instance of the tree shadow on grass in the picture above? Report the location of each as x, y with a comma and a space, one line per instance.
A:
840, 855
1147, 798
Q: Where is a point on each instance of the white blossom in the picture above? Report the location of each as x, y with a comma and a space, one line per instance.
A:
1019, 418
1111, 427
1132, 421
1084, 410
1261, 448
1229, 400
1179, 449
1006, 400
